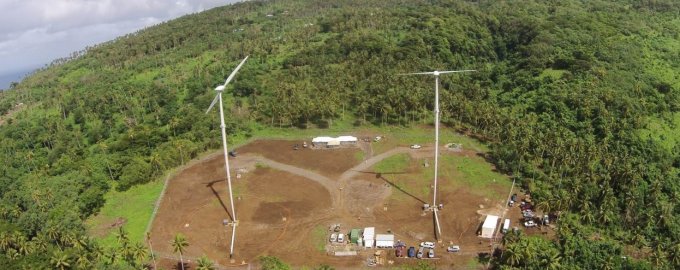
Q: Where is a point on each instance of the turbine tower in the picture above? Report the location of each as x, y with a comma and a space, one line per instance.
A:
436, 74
218, 97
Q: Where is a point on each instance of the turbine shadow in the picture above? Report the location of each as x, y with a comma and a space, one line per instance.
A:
399, 188
210, 185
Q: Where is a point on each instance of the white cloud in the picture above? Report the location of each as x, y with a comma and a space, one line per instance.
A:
35, 32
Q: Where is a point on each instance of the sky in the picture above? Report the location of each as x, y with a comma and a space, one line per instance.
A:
35, 32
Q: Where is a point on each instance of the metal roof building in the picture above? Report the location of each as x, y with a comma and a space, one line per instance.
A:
489, 226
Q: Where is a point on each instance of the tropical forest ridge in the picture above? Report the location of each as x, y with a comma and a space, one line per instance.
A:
578, 101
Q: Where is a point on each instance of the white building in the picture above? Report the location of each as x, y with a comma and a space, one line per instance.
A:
369, 237
489, 226
384, 240
333, 142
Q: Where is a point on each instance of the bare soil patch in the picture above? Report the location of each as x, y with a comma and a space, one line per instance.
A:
328, 162
285, 211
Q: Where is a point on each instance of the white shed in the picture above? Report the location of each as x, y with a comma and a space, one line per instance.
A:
384, 240
489, 226
348, 139
369, 237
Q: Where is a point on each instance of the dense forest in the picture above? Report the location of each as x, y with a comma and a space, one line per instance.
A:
569, 94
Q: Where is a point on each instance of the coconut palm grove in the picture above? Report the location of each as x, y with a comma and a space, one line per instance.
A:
577, 101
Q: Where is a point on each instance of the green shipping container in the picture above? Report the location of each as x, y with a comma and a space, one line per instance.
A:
354, 236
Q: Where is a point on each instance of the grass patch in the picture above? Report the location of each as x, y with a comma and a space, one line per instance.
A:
396, 163
405, 136
360, 156
140, 201
555, 74
474, 173
319, 238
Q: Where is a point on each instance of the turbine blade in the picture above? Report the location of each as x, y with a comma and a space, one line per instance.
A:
217, 97
233, 73
457, 71
416, 73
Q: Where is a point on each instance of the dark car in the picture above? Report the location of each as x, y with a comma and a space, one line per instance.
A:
411, 252
232, 153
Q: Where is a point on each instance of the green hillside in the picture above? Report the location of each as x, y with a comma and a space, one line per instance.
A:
579, 100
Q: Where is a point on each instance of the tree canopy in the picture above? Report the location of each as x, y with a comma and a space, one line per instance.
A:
569, 95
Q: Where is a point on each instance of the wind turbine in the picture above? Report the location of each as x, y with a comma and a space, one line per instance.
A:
436, 74
218, 97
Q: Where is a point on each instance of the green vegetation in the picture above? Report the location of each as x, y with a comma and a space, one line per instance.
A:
272, 263
578, 100
393, 164
473, 173
142, 197
319, 237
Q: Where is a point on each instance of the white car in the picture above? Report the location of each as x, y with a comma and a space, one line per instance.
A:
453, 249
427, 244
530, 223
430, 254
334, 237
341, 238
415, 146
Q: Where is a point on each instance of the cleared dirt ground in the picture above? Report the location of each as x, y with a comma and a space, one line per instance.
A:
286, 199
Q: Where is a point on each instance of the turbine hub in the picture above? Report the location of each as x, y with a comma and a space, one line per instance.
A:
436, 73
219, 88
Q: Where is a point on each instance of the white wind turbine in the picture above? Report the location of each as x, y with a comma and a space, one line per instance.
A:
436, 74
218, 97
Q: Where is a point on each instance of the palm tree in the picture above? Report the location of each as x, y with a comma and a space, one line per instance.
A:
513, 254
139, 252
82, 260
675, 255
148, 241
6, 241
179, 245
60, 260
122, 236
205, 264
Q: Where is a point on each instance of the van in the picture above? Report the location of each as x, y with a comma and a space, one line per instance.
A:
341, 238
430, 254
427, 244
334, 237
506, 225
420, 253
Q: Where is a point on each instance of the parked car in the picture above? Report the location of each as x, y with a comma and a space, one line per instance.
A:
232, 153
415, 146
530, 223
334, 237
341, 238
430, 254
427, 244
546, 220
377, 138
514, 197
420, 252
525, 206
411, 252
453, 249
